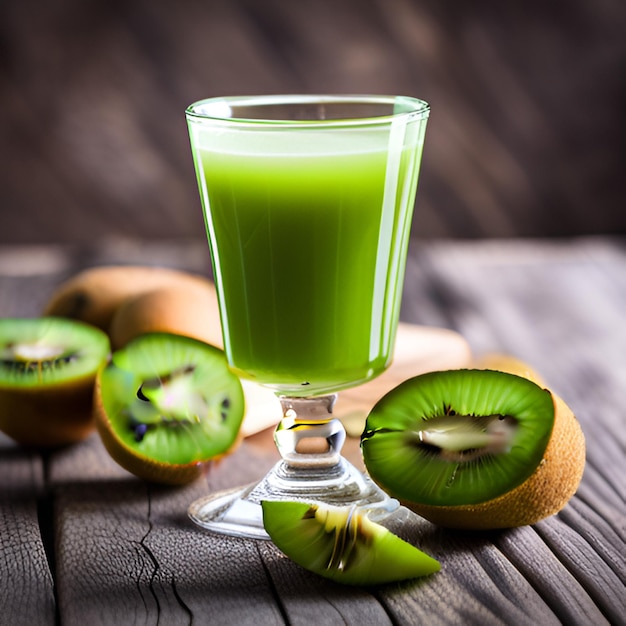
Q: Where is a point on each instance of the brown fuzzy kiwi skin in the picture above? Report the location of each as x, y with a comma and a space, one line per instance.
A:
94, 294
186, 308
48, 417
543, 494
143, 467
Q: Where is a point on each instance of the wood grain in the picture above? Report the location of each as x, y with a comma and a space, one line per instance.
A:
126, 552
26, 582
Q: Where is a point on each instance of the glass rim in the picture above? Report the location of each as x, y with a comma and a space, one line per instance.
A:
218, 110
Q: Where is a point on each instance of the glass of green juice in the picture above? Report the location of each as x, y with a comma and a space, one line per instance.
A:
308, 202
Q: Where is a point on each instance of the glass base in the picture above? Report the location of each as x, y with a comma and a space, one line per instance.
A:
323, 475
238, 512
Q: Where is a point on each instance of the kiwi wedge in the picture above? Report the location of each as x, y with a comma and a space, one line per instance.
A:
342, 544
475, 448
48, 367
167, 404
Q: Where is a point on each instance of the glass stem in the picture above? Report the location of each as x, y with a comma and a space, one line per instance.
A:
308, 436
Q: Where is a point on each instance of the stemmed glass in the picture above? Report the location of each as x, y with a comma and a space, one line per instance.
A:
308, 203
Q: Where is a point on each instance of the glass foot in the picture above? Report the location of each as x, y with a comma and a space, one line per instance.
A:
237, 512
312, 470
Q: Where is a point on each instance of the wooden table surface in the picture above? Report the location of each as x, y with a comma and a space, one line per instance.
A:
83, 542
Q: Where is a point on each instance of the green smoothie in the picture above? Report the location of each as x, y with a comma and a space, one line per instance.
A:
308, 236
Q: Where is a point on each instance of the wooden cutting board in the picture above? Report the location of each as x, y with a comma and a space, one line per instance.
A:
419, 349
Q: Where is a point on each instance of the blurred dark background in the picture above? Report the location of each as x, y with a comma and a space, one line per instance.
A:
526, 137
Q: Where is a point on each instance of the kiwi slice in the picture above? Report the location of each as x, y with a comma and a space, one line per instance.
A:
342, 544
471, 448
47, 371
166, 404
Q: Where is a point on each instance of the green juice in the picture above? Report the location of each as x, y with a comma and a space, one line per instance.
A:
308, 237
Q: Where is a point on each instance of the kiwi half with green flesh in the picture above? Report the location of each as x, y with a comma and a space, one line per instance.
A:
475, 448
166, 404
342, 544
48, 367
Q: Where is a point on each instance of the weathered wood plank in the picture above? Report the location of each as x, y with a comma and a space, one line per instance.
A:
596, 576
126, 551
26, 583
305, 597
564, 596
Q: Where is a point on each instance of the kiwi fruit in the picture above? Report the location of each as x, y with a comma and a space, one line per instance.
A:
503, 362
188, 307
343, 544
476, 449
47, 372
94, 294
165, 405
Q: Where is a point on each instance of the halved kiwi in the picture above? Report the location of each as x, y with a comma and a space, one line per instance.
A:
47, 371
475, 448
342, 544
167, 404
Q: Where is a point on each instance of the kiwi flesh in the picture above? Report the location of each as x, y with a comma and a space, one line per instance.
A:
48, 368
342, 544
166, 404
447, 444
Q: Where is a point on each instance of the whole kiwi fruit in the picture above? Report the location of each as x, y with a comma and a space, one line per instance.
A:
343, 544
502, 362
93, 295
47, 372
477, 449
166, 405
188, 308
